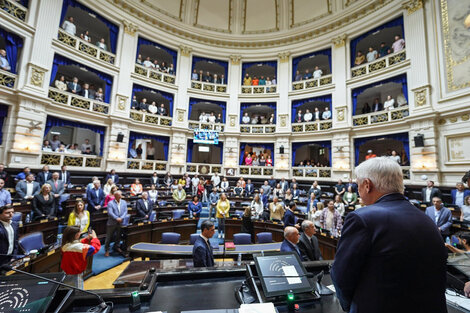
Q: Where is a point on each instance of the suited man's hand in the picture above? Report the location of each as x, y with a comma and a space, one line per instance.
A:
146, 216
297, 226
119, 220
56, 195
97, 207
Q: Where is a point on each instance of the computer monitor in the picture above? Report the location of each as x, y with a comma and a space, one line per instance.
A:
25, 294
272, 270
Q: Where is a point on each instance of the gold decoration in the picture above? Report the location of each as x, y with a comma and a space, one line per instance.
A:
196, 85
396, 58
358, 121
14, 9
222, 89
441, 121
358, 71
339, 41
7, 79
122, 100
130, 28
340, 114
58, 96
453, 119
67, 39
180, 115
377, 65
420, 97
106, 57
88, 49
50, 159
235, 59
326, 80
37, 76
413, 5
233, 119
284, 56
297, 86
465, 117
185, 51
283, 120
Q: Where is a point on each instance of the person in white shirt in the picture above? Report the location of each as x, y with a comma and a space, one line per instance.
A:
401, 100
211, 118
194, 183
316, 114
215, 179
4, 64
153, 193
102, 45
148, 63
307, 116
399, 44
395, 157
86, 145
257, 207
246, 119
203, 117
326, 114
317, 73
274, 81
255, 120
372, 55
194, 75
69, 26
153, 108
8, 235
225, 185
389, 104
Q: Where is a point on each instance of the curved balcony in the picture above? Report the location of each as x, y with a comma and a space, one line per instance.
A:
210, 126
85, 47
258, 129
13, 8
379, 64
7, 79
71, 160
312, 83
312, 172
257, 170
147, 165
217, 88
259, 90
154, 74
150, 118
72, 100
381, 117
203, 169
312, 126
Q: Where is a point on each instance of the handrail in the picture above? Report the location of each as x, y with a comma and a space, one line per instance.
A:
381, 116
7, 79
76, 101
264, 89
205, 86
204, 168
13, 8
258, 129
256, 170
311, 172
379, 64
147, 165
209, 126
150, 118
312, 82
312, 126
154, 74
71, 159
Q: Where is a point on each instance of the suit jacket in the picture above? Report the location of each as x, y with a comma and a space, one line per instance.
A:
60, 187
249, 189
116, 178
435, 192
287, 246
42, 179
445, 219
289, 218
202, 253
115, 212
4, 245
94, 200
67, 177
295, 194
310, 252
154, 180
91, 94
21, 189
140, 207
284, 185
78, 88
390, 258
43, 207
272, 183
453, 193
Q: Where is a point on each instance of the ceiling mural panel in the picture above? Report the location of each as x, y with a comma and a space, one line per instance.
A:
261, 16
305, 11
214, 14
171, 8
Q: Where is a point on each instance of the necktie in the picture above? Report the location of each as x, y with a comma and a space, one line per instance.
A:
55, 184
311, 242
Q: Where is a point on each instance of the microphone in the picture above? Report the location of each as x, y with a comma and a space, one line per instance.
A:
103, 306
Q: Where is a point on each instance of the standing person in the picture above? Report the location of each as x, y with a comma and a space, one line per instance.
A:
276, 210
377, 267
110, 196
57, 188
213, 199
308, 243
44, 175
194, 184
249, 188
144, 206
247, 223
331, 219
75, 253
8, 234
223, 207
113, 176
26, 189
64, 176
195, 207
117, 210
95, 197
256, 207
153, 194
289, 217
154, 180
43, 202
215, 180
429, 192
291, 239
79, 217
3, 173
5, 196
202, 251
441, 216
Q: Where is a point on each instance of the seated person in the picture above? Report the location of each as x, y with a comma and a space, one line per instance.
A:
464, 241
179, 195
136, 188
195, 207
291, 239
238, 190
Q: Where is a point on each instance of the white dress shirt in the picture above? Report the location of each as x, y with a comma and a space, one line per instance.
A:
389, 104
69, 27
317, 73
308, 117
11, 235
29, 189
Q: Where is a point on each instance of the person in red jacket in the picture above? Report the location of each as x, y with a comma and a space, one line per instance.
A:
75, 253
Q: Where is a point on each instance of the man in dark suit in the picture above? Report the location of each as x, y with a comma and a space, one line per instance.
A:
95, 197
351, 184
429, 192
459, 194
202, 251
112, 175
44, 175
26, 189
249, 188
377, 106
291, 239
8, 234
284, 184
64, 176
441, 216
162, 110
272, 182
390, 258
144, 206
154, 179
57, 189
74, 86
87, 92
308, 243
289, 217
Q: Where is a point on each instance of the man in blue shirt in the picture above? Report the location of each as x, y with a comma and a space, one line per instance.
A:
5, 196
459, 194
4, 64
117, 211
22, 176
441, 216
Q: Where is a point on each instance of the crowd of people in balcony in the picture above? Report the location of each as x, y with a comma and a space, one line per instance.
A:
261, 81
56, 145
260, 159
388, 105
317, 73
210, 118
308, 116
84, 89
70, 28
256, 119
208, 77
155, 64
312, 163
372, 54
392, 154
144, 106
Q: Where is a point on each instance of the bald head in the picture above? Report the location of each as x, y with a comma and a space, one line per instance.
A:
291, 234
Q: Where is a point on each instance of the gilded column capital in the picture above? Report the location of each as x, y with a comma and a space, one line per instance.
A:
284, 56
185, 50
339, 41
37, 75
130, 28
413, 5
235, 59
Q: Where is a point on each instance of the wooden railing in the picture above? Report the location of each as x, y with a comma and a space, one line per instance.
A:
378, 64
257, 90
210, 126
381, 117
312, 126
154, 74
204, 86
203, 169
150, 118
86, 47
72, 160
311, 172
312, 83
147, 165
257, 170
72, 100
7, 79
257, 129
13, 8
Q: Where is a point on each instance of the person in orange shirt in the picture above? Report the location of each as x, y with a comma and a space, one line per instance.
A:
370, 155
136, 188
255, 81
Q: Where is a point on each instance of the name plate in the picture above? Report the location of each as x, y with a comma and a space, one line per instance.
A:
129, 209
164, 220
43, 221
185, 218
105, 211
79, 199
16, 203
275, 222
140, 224
10, 273
50, 252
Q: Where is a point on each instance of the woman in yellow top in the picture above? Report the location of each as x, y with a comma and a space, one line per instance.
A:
182, 181
79, 217
223, 207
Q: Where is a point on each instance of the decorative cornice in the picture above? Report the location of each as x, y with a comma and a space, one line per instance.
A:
413, 5
130, 28
339, 41
235, 59
185, 50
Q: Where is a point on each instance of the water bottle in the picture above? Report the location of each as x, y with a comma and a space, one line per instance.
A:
28, 219
59, 240
239, 259
448, 240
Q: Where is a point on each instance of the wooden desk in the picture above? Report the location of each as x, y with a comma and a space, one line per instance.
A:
48, 228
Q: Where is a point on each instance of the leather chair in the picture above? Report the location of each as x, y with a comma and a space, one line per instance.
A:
126, 220
192, 238
170, 238
33, 241
239, 213
177, 214
242, 239
264, 237
17, 217
153, 216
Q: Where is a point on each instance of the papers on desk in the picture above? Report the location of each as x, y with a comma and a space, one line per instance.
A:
292, 272
257, 308
457, 299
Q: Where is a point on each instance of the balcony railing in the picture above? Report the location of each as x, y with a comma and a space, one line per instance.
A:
154, 74
203, 169
72, 100
257, 170
257, 129
312, 126
381, 117
257, 90
379, 64
406, 172
7, 79
208, 86
210, 126
312, 83
13, 8
146, 165
86, 47
311, 172
72, 160
150, 118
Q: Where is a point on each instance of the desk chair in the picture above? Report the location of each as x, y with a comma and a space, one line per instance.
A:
242, 239
177, 214
170, 238
264, 237
192, 238
33, 241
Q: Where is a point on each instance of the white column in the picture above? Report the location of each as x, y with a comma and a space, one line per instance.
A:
183, 74
283, 86
342, 104
232, 118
